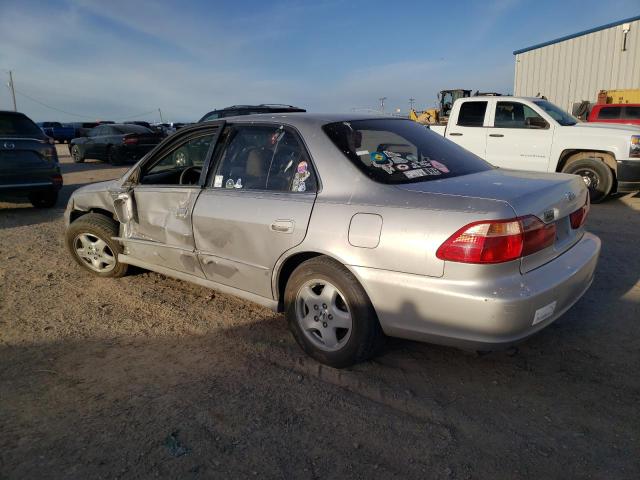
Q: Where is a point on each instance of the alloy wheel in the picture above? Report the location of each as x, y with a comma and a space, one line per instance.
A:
94, 252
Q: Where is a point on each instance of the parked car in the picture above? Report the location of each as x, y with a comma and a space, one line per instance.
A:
615, 113
353, 227
82, 128
534, 134
139, 122
57, 131
237, 110
114, 143
28, 161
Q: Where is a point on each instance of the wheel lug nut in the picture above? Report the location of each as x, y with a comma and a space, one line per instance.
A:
324, 324
315, 318
324, 305
330, 317
315, 307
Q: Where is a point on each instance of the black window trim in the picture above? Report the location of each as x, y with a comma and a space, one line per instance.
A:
215, 164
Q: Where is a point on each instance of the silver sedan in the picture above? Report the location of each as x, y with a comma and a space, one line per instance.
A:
355, 228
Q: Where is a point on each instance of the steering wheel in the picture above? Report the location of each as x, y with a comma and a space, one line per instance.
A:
192, 169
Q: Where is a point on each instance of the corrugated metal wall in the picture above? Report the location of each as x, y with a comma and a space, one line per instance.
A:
576, 69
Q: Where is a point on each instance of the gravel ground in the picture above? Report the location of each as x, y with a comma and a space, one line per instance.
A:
146, 376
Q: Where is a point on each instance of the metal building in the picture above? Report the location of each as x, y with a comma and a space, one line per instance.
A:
574, 68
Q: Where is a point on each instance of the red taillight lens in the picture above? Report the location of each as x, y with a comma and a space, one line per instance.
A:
57, 180
579, 216
497, 241
130, 140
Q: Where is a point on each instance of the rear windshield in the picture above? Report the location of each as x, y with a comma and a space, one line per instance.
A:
401, 151
131, 129
17, 124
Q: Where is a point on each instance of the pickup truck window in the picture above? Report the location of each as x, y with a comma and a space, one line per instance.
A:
609, 113
632, 113
559, 115
472, 114
396, 151
517, 115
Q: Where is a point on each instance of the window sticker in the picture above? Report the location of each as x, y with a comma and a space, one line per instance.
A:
238, 183
362, 152
217, 182
440, 166
229, 184
277, 136
415, 173
402, 167
380, 160
300, 177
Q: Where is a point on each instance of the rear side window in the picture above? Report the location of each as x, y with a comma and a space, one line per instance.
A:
18, 124
472, 114
265, 158
609, 113
401, 151
632, 113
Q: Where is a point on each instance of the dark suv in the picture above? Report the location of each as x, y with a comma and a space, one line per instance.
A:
28, 161
236, 110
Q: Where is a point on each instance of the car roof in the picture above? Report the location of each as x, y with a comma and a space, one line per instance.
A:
301, 118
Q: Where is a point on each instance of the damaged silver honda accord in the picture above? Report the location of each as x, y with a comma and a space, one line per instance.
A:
355, 228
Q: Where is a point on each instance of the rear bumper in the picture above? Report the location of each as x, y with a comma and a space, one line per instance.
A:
628, 175
27, 187
481, 314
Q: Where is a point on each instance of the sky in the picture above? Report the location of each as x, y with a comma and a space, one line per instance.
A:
85, 60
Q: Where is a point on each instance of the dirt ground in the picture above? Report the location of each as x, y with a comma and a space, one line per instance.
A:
146, 376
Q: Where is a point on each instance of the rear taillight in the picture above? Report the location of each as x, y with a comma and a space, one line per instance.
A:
578, 217
57, 180
130, 140
497, 241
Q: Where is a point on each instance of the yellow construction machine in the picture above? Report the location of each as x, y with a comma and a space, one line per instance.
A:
439, 114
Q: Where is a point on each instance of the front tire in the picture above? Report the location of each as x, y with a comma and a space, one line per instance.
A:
596, 175
89, 240
330, 314
44, 199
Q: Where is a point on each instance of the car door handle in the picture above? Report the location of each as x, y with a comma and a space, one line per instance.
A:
282, 226
455, 134
496, 135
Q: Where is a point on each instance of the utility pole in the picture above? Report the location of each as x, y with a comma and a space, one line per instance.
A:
382, 99
13, 92
161, 119
411, 103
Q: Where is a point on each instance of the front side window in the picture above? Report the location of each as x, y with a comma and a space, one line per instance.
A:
555, 112
182, 165
517, 115
609, 113
472, 114
265, 158
401, 151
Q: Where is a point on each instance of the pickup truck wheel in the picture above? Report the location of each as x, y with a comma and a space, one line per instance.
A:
44, 199
330, 314
89, 240
596, 175
76, 154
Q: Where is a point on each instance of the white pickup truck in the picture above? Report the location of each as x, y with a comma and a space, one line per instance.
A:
534, 134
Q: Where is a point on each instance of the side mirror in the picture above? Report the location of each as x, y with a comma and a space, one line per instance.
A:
536, 122
123, 207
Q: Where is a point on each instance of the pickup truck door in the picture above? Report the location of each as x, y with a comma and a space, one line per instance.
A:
518, 137
156, 208
256, 207
467, 126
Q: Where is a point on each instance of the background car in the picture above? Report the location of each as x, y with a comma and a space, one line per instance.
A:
114, 143
59, 132
628, 113
353, 227
28, 161
237, 110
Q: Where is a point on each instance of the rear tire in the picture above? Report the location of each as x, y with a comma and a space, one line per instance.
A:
313, 314
44, 198
596, 175
89, 240
76, 154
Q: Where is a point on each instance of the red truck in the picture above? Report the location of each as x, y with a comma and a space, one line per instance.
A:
628, 113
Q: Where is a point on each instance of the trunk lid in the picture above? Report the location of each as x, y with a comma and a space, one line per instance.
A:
551, 197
